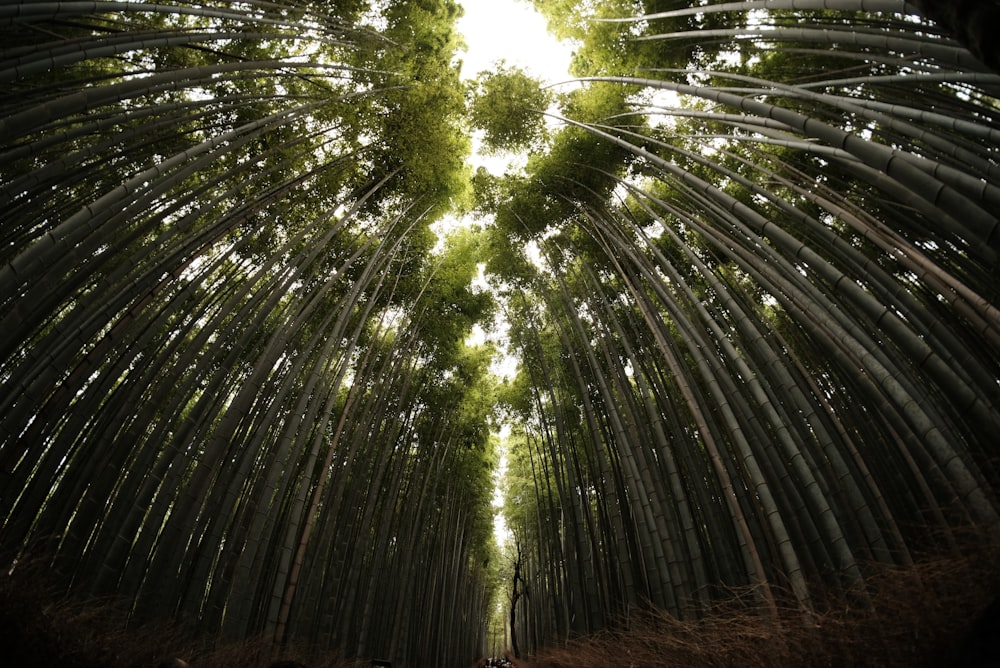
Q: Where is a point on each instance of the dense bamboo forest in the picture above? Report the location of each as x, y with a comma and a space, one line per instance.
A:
741, 310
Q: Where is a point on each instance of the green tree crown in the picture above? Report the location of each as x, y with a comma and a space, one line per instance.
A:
507, 105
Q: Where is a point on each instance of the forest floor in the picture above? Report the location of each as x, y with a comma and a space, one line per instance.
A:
942, 612
924, 615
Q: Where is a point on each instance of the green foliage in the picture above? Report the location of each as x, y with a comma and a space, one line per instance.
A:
422, 135
578, 166
449, 306
609, 46
486, 191
418, 114
507, 105
603, 47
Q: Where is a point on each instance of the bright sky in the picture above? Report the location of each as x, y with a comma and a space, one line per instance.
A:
513, 31
509, 30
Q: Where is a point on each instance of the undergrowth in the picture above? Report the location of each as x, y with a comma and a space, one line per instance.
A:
921, 615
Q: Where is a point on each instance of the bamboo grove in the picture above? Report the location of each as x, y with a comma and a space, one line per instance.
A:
750, 279
759, 333
235, 388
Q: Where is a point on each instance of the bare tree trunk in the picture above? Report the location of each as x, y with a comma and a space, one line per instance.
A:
517, 578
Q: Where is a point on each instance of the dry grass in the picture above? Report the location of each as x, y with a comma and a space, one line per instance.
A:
915, 617
919, 616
